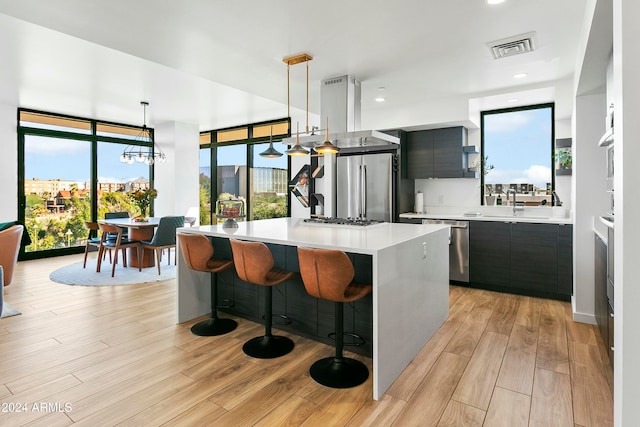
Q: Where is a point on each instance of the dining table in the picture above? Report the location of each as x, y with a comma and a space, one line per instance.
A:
138, 230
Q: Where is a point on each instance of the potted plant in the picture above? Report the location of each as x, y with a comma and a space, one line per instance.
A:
486, 167
564, 159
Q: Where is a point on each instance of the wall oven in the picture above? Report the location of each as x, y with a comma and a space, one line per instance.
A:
607, 142
610, 168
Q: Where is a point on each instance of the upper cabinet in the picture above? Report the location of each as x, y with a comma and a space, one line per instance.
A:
437, 153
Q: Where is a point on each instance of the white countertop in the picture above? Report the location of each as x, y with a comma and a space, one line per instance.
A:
490, 217
295, 232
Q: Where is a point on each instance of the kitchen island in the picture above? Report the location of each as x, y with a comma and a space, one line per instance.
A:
408, 270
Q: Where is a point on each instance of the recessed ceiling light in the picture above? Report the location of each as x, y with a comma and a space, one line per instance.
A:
519, 75
512, 100
494, 1
380, 99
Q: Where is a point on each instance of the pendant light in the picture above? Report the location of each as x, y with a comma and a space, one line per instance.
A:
297, 149
327, 147
142, 153
271, 153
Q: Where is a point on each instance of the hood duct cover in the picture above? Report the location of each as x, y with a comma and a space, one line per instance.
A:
340, 102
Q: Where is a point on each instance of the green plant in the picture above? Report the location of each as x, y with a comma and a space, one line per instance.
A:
485, 165
564, 158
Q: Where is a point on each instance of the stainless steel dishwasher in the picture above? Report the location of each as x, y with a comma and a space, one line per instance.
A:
458, 248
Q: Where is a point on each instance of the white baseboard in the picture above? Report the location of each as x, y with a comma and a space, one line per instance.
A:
582, 317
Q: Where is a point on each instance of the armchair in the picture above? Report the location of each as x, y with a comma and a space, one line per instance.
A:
9, 247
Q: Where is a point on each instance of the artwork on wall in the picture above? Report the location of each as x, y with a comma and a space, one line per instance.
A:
299, 186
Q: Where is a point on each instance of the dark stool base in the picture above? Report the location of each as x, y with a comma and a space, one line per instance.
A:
213, 326
267, 347
339, 372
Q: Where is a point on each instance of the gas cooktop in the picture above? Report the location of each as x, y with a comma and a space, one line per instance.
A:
347, 222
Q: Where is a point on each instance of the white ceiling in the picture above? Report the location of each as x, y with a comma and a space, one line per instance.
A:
219, 63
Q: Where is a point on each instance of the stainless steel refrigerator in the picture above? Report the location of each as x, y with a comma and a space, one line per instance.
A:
365, 186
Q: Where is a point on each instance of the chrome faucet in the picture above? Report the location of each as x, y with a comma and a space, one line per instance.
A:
515, 207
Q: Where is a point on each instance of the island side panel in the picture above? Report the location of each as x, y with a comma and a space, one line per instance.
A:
193, 291
410, 303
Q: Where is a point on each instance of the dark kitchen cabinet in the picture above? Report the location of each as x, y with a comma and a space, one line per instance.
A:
420, 154
565, 259
603, 311
534, 256
410, 220
489, 253
448, 155
436, 153
524, 258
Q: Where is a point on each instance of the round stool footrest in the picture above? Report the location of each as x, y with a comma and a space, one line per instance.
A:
229, 304
214, 326
286, 320
339, 372
268, 347
358, 340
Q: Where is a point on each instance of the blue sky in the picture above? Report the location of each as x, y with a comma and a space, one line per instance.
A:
518, 144
52, 158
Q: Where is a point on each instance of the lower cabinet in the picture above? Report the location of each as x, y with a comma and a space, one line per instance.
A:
490, 253
603, 310
526, 258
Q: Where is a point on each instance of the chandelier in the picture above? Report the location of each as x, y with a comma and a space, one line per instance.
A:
141, 153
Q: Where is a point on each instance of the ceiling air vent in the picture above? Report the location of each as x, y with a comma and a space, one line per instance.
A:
515, 45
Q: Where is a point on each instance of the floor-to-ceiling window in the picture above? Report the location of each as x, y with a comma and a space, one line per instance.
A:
232, 169
70, 172
517, 155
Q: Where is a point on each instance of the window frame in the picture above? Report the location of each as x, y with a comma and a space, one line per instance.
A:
250, 142
483, 114
93, 138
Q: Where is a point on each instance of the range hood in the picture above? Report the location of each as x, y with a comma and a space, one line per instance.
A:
340, 102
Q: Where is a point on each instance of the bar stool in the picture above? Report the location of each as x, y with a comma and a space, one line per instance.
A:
328, 274
197, 251
254, 264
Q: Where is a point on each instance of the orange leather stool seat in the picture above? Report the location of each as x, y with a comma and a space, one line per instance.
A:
328, 274
254, 264
197, 251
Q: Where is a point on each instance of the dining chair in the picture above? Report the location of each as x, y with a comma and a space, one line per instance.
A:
164, 238
118, 243
111, 215
92, 241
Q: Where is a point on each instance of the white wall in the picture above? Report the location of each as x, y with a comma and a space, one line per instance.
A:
8, 163
589, 198
177, 180
626, 69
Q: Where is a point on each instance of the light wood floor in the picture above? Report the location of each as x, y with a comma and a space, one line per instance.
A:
107, 356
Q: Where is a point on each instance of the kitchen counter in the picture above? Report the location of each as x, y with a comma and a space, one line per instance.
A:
410, 278
490, 217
